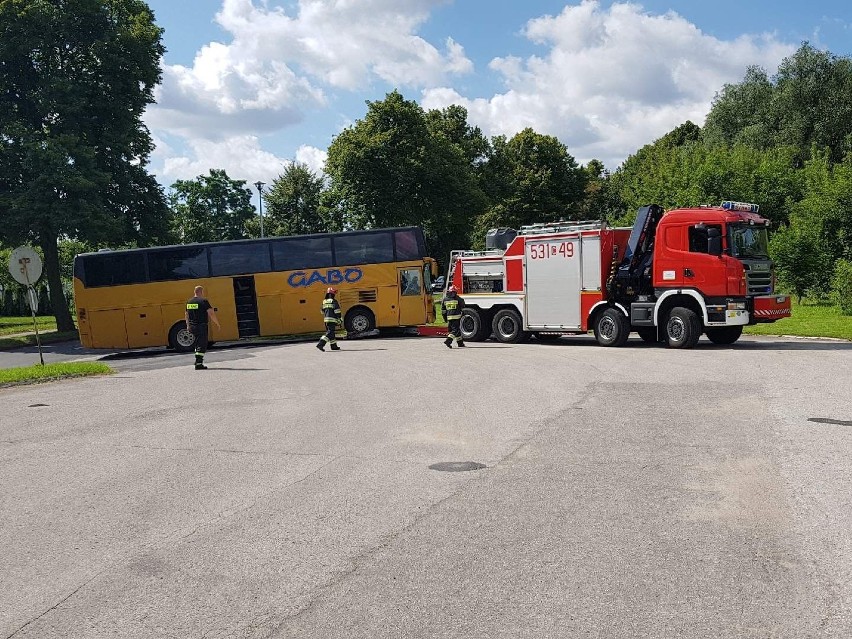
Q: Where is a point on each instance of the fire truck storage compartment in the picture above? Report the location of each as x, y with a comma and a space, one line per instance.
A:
557, 270
483, 276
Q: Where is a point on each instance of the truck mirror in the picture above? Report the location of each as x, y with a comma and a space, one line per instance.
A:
714, 241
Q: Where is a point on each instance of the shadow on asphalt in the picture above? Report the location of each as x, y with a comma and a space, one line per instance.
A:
213, 367
764, 344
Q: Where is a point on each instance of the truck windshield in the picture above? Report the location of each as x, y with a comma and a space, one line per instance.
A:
749, 241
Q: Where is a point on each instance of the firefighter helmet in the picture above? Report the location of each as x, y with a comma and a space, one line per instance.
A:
331, 290
451, 289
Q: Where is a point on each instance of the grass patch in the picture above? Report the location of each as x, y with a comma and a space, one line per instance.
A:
7, 343
24, 324
808, 319
439, 319
61, 370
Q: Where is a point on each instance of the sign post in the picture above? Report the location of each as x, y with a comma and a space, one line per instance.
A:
25, 267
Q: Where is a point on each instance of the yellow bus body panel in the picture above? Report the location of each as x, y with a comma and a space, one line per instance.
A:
288, 303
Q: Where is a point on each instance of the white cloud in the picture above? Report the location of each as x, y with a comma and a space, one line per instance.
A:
612, 80
312, 157
241, 156
278, 67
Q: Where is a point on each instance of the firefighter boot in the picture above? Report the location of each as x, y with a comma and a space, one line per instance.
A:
461, 343
321, 345
448, 342
199, 363
335, 347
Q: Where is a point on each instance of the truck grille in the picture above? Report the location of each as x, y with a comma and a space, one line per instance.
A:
759, 281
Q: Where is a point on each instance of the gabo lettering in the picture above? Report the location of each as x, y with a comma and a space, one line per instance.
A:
331, 276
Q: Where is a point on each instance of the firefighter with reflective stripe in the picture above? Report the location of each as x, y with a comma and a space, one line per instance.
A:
452, 311
199, 313
332, 319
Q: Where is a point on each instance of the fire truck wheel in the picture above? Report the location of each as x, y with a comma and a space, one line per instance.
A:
726, 335
612, 328
683, 328
507, 326
649, 334
472, 326
180, 339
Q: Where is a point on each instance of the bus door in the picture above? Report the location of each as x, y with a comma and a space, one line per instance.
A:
245, 302
412, 305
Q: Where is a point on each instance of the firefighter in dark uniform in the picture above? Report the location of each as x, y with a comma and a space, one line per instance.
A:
199, 313
452, 311
331, 317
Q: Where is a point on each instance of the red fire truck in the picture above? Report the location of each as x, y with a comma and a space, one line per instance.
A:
674, 276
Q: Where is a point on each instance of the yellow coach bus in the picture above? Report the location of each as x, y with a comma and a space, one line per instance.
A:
273, 286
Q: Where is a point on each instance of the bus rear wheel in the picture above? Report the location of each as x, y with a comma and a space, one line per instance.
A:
180, 339
359, 320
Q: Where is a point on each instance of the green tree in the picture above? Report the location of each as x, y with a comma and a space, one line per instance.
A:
841, 286
532, 178
211, 208
741, 113
801, 265
451, 123
390, 169
75, 78
808, 102
601, 200
294, 203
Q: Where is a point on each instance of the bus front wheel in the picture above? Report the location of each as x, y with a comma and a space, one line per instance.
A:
359, 320
180, 339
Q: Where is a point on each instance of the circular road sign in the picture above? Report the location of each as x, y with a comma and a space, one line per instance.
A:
25, 265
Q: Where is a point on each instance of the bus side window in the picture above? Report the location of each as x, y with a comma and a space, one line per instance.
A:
115, 270
407, 247
363, 248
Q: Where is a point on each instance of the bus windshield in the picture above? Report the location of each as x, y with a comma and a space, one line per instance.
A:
748, 241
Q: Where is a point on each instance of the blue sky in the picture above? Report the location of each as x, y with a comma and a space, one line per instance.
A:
250, 85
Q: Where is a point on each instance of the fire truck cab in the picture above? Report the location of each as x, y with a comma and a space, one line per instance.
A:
672, 277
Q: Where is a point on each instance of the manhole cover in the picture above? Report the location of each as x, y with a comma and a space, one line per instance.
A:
456, 467
825, 420
37, 405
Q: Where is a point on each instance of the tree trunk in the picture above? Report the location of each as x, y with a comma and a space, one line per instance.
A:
64, 322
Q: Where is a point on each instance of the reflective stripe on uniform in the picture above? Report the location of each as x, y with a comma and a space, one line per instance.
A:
452, 306
192, 307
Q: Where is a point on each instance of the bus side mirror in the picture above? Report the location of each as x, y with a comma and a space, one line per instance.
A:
714, 242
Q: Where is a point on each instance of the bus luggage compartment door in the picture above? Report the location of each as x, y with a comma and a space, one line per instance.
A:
245, 302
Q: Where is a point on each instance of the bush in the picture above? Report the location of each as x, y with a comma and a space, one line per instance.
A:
841, 286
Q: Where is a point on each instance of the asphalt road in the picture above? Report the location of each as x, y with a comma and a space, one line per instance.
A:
632, 492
